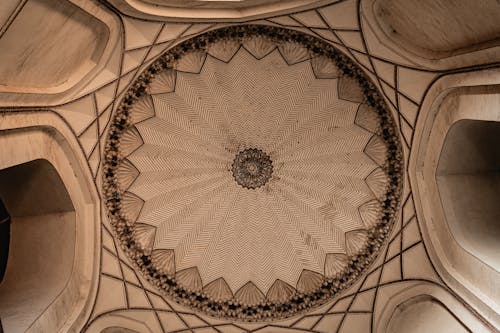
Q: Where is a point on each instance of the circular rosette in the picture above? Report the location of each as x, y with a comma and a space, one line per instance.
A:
252, 168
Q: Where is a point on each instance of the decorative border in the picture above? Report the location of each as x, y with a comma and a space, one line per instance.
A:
299, 301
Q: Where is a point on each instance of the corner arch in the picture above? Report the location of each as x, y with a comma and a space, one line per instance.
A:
471, 95
41, 141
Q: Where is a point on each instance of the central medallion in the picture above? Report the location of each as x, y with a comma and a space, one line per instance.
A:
252, 168
252, 173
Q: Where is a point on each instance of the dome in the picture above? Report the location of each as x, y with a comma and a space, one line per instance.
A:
253, 170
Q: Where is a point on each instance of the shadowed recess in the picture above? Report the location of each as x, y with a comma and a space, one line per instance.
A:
4, 239
468, 178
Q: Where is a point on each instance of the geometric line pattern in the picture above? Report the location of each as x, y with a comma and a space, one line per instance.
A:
182, 143
103, 97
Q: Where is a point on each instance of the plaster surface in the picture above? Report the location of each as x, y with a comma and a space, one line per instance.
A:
68, 285
468, 177
414, 82
432, 316
35, 63
472, 277
438, 29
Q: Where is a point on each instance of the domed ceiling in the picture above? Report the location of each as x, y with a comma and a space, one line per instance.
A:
252, 171
256, 167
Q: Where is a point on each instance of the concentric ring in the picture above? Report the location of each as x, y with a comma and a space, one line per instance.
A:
252, 168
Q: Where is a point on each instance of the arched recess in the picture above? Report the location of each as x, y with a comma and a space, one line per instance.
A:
66, 46
436, 34
422, 314
468, 178
417, 307
472, 96
51, 275
116, 329
42, 241
212, 10
114, 323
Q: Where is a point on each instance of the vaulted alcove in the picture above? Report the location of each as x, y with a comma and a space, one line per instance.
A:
422, 314
436, 29
51, 259
42, 241
438, 34
455, 177
77, 42
468, 177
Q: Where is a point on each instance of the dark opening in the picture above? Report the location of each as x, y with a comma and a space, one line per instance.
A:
468, 178
33, 188
41, 241
4, 241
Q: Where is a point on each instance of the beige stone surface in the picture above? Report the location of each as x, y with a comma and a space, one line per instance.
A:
469, 184
212, 4
434, 34
212, 10
66, 44
414, 81
454, 254
438, 29
310, 205
34, 63
38, 267
431, 316
53, 295
419, 307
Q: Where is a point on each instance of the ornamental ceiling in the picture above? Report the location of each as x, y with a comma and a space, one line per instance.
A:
274, 167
